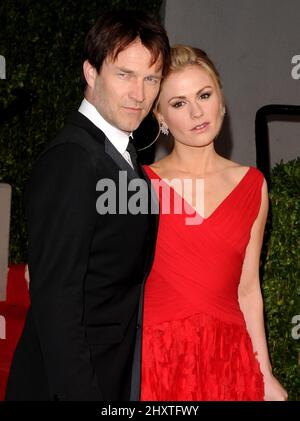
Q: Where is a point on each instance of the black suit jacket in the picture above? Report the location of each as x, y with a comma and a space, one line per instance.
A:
86, 276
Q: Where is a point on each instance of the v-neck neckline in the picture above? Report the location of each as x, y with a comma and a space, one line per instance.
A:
220, 205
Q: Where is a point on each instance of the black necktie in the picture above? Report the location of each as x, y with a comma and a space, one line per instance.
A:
133, 155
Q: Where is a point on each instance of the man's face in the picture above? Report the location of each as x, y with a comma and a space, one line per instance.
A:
124, 90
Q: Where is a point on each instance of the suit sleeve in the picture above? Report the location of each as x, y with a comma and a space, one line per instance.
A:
61, 218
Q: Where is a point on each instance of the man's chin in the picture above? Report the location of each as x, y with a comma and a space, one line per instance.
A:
128, 128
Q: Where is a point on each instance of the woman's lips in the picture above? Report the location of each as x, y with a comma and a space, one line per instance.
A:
200, 127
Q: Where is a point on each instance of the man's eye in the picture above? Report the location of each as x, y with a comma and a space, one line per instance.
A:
152, 80
123, 75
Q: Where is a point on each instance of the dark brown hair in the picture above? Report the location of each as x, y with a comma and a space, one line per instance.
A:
114, 31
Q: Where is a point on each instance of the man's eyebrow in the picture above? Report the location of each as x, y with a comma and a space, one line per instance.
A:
124, 70
156, 76
131, 72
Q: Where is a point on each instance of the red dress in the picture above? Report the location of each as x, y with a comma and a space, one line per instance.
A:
195, 343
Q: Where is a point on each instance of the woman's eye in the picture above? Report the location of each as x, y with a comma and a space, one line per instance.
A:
178, 104
205, 95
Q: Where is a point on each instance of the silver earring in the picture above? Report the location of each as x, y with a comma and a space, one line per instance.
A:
164, 129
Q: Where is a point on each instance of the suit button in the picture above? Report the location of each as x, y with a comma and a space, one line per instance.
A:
138, 326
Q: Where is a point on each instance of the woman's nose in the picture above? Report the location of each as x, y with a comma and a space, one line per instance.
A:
196, 110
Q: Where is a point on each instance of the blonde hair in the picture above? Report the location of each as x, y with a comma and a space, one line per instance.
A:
183, 56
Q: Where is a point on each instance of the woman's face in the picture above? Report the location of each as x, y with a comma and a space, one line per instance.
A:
190, 104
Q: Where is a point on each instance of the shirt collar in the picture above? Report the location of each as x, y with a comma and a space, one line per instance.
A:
116, 136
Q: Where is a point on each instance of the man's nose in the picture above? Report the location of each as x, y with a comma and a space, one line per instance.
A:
137, 91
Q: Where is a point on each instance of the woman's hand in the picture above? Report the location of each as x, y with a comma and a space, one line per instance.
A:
273, 389
27, 275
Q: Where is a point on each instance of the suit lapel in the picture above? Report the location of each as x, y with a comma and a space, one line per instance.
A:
80, 120
120, 160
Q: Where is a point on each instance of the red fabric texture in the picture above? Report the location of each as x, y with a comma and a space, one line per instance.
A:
14, 311
195, 343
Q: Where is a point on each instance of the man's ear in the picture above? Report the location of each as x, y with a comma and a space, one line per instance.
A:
90, 74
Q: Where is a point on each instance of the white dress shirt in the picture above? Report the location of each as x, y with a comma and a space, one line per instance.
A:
116, 136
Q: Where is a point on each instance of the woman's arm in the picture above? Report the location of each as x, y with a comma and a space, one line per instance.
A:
251, 302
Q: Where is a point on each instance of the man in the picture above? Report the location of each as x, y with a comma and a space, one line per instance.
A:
87, 269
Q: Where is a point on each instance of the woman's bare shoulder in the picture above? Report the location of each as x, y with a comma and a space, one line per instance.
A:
160, 167
158, 164
233, 169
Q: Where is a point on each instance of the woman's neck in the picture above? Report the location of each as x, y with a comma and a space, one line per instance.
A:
198, 161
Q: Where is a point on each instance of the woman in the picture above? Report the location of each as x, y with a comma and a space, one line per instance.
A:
203, 334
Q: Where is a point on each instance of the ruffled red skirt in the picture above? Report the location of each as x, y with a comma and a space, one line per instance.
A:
199, 358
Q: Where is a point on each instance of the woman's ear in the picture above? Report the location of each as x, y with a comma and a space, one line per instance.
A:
162, 124
159, 117
155, 113
90, 74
